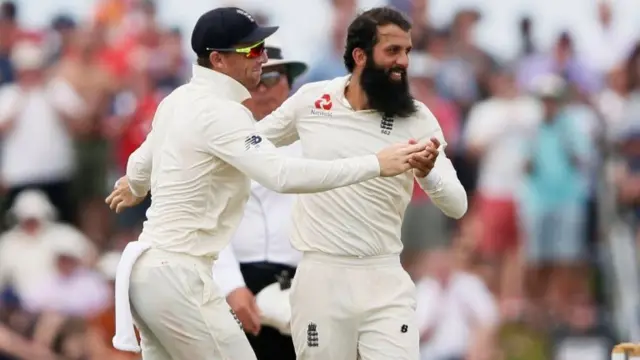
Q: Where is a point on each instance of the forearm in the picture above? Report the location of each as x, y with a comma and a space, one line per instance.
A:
444, 189
294, 175
139, 171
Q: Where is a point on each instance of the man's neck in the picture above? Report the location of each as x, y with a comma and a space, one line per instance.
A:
355, 94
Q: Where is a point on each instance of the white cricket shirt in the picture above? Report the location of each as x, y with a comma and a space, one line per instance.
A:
263, 234
198, 158
363, 219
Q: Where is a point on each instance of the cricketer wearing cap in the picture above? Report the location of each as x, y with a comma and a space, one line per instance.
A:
260, 255
350, 296
196, 162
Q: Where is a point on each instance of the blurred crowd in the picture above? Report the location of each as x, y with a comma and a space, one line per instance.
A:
516, 278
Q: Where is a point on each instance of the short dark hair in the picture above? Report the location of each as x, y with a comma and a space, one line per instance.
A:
363, 31
204, 61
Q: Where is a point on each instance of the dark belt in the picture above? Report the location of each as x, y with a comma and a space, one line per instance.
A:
258, 275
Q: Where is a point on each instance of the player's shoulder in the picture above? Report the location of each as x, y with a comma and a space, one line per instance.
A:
208, 104
317, 89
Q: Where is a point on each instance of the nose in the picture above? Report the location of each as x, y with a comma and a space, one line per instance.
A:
403, 60
264, 58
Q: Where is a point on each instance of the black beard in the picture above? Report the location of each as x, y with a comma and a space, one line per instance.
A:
389, 97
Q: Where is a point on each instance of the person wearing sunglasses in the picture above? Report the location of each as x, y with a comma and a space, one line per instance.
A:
260, 253
197, 162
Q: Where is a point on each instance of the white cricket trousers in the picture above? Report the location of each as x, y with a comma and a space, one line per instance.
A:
180, 312
346, 308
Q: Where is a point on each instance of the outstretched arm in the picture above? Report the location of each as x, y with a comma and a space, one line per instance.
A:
234, 139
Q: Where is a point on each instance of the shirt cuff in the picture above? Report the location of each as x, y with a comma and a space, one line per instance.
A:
228, 281
373, 164
432, 182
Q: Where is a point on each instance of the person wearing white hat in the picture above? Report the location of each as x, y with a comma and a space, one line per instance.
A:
28, 250
73, 288
260, 250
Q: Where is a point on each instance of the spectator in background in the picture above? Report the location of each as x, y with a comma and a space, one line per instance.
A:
330, 64
526, 37
495, 133
8, 32
424, 225
611, 103
456, 80
133, 112
172, 72
553, 202
562, 61
72, 288
82, 70
37, 120
456, 313
464, 45
60, 37
422, 29
608, 34
27, 251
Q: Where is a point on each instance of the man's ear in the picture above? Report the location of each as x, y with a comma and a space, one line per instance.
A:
359, 57
217, 60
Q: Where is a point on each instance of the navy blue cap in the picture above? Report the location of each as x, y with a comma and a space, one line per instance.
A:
225, 28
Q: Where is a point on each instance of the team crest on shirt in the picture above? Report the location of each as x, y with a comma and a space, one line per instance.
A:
322, 106
386, 125
312, 335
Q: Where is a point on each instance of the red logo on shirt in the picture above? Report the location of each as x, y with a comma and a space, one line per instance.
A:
324, 103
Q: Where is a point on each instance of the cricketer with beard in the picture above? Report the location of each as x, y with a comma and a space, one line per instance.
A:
350, 296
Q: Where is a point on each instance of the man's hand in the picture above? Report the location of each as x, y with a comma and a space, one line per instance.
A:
121, 196
424, 161
394, 160
243, 303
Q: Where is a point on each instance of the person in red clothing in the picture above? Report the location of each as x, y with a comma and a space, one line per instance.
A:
133, 114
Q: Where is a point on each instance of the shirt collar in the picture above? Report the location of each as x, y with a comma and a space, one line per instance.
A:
222, 84
338, 88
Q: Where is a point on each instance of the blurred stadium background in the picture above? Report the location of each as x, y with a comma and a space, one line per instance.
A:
561, 275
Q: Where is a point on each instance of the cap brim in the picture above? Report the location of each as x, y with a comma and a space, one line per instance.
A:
294, 68
259, 34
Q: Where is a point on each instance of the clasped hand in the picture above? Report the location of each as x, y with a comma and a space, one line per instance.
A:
423, 161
